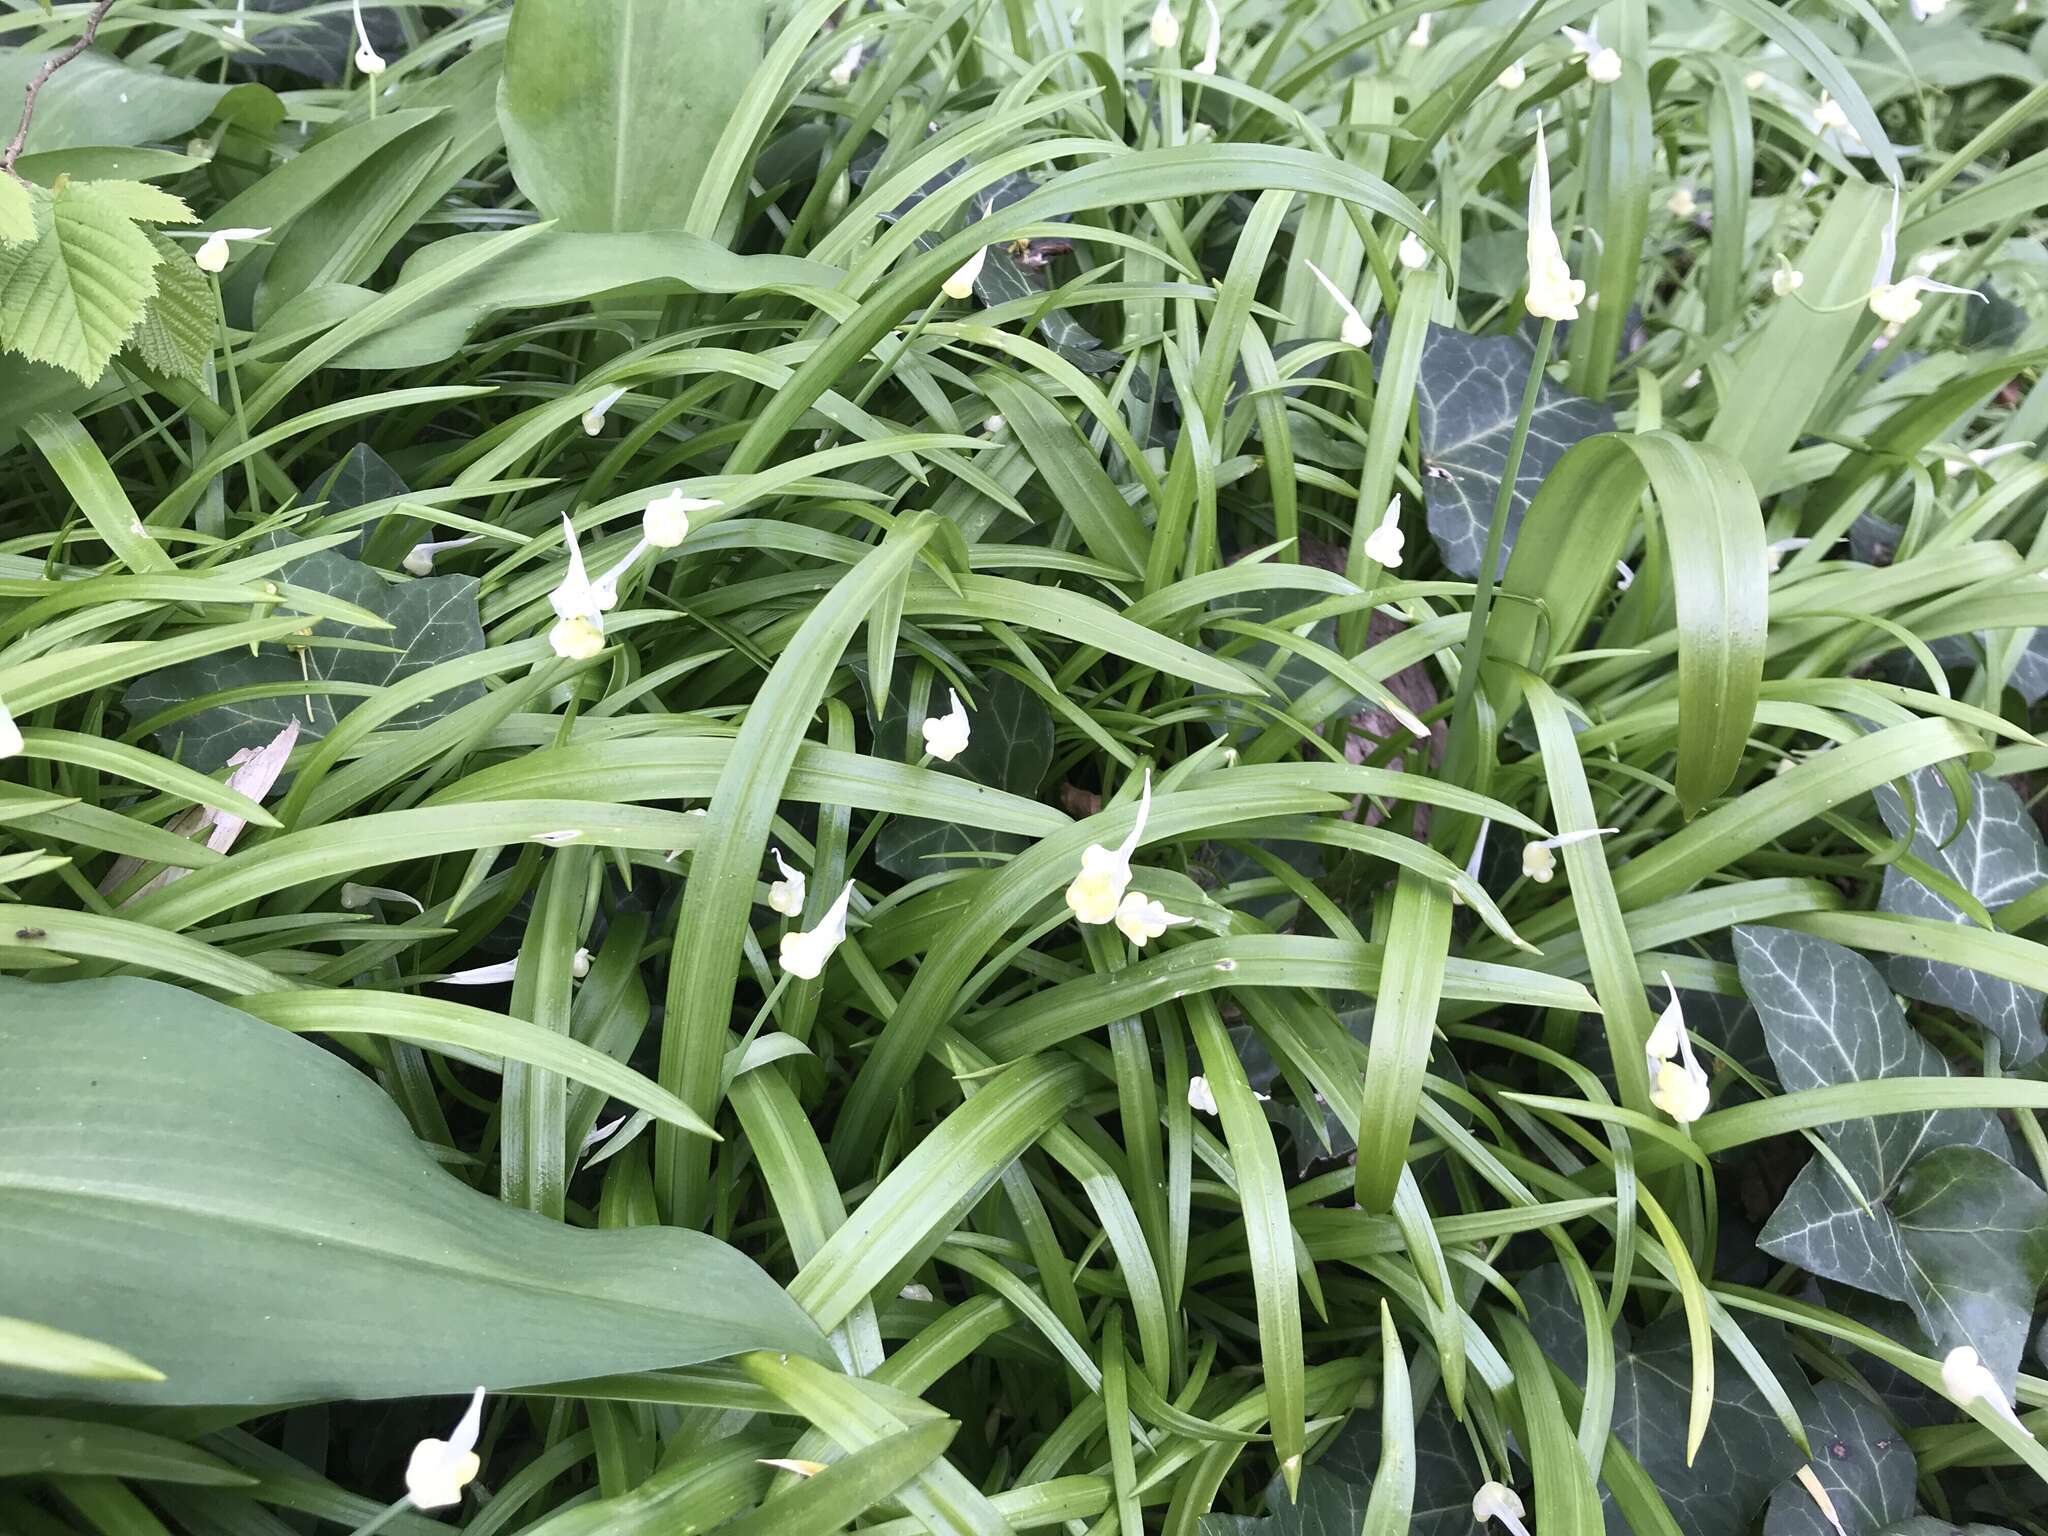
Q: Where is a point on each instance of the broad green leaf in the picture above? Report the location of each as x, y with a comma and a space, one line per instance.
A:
1467, 397
1997, 856
17, 213
607, 126
312, 1249
98, 99
433, 620
71, 296
176, 335
1861, 1460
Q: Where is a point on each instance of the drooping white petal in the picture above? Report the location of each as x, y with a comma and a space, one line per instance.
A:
1199, 1096
440, 1469
368, 60
787, 894
1497, 1501
1212, 52
806, 954
961, 284
1355, 331
1383, 545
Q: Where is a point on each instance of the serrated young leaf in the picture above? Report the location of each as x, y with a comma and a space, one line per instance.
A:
1466, 400
176, 334
71, 296
136, 200
17, 212
1998, 857
1861, 1460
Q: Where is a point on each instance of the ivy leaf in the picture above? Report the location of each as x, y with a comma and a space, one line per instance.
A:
17, 213
71, 296
1467, 398
1446, 1476
1010, 748
360, 478
1861, 1459
1329, 1506
1746, 1452
1938, 1218
912, 848
1997, 857
1927, 1525
176, 334
433, 620
1975, 1233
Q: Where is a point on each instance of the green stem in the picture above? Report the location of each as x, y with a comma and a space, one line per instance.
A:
227, 357
1461, 754
383, 1517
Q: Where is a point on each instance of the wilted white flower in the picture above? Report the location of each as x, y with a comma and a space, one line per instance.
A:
1554, 294
961, 284
1165, 27
1897, 302
1681, 203
1419, 38
945, 736
1829, 114
1206, 65
1603, 65
11, 744
440, 1469
593, 419
1199, 1096
1787, 280
1497, 1501
213, 255
1539, 862
368, 60
1776, 551
787, 894
1967, 1379
1142, 919
1383, 544
849, 61
1513, 78
1106, 872
806, 954
419, 560
1354, 331
1678, 1083
666, 522
356, 897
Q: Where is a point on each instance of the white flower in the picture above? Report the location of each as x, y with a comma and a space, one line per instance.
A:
1603, 65
961, 284
1624, 578
1143, 919
993, 425
439, 1469
666, 522
1776, 551
579, 963
1165, 27
10, 735
1926, 10
605, 590
1539, 863
849, 61
1967, 1379
580, 603
1678, 1083
1554, 294
1383, 544
1413, 253
213, 255
367, 58
1897, 302
1754, 80
419, 560
806, 954
576, 639
1207, 63
482, 975
945, 736
1682, 203
1497, 1501
787, 894
1199, 1096
356, 897
1355, 332
593, 419
1419, 38
1513, 78
1829, 114
915, 1293
1787, 280
794, 1464
1106, 872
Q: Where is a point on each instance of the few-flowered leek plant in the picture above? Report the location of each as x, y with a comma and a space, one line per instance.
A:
807, 954
961, 284
213, 255
1554, 294
439, 1470
1143, 919
1497, 1501
1354, 331
1603, 64
593, 419
1383, 544
666, 522
1105, 874
580, 604
1897, 302
368, 60
419, 560
787, 894
1212, 50
1539, 859
1967, 1379
1165, 28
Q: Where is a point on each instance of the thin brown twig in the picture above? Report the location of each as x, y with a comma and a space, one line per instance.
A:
41, 78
